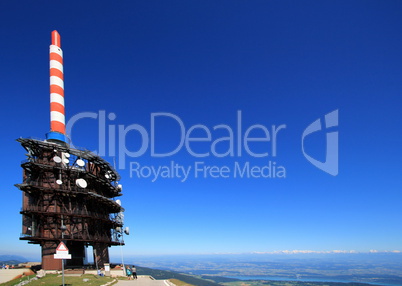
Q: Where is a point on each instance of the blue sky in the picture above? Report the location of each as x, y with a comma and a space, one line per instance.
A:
278, 62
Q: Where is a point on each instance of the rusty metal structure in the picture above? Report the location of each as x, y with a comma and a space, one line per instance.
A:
69, 195
61, 194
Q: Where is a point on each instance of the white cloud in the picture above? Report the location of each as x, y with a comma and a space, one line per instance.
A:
323, 252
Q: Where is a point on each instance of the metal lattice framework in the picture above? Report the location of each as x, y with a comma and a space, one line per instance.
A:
52, 198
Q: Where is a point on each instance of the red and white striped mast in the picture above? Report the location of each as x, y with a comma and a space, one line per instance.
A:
57, 111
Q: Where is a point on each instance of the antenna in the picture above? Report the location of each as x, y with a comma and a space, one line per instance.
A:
59, 180
127, 230
80, 163
81, 183
57, 132
82, 187
57, 159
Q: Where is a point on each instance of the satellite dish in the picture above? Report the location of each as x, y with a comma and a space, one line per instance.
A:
118, 202
66, 161
80, 163
120, 186
59, 182
81, 183
66, 155
107, 176
127, 230
57, 159
118, 229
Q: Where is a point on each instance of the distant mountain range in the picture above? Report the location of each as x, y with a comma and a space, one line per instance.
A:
12, 259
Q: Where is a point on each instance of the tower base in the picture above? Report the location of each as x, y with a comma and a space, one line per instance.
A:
48, 261
76, 249
101, 254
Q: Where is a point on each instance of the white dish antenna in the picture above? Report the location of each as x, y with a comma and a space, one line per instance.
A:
67, 155
127, 230
118, 202
57, 159
59, 182
107, 176
80, 163
120, 187
66, 161
118, 229
81, 183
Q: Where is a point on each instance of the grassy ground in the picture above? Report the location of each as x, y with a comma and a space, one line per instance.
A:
18, 280
179, 283
56, 280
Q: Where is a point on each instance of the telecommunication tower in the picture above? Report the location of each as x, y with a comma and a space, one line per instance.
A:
68, 194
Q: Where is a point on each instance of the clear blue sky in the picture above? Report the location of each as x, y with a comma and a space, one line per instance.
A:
279, 62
